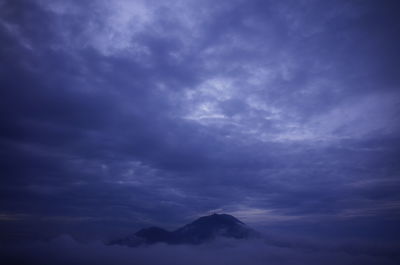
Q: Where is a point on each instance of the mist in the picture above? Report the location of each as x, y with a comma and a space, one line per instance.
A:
65, 251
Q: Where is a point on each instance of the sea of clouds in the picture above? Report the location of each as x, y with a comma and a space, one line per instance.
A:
67, 251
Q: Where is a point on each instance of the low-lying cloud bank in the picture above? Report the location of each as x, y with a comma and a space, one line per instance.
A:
66, 251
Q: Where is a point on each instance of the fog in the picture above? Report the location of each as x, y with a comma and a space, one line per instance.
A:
65, 250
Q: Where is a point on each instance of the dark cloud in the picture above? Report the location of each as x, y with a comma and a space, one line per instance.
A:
115, 115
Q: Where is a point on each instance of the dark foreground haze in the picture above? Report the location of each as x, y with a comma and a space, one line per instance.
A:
117, 115
66, 251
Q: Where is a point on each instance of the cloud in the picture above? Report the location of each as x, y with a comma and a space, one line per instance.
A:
65, 250
121, 114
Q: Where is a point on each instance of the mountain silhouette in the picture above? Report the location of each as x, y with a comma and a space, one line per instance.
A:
202, 230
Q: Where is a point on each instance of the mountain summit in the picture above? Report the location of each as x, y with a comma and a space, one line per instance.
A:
204, 229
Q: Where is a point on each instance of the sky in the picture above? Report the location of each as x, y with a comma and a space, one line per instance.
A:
116, 115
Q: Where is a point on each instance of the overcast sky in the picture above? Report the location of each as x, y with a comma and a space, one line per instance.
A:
120, 114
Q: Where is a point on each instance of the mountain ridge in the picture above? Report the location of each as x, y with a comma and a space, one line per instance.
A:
201, 230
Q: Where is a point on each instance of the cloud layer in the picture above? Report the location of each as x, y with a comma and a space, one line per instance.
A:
65, 250
119, 114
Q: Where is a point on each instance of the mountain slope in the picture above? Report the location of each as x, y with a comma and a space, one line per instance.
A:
204, 229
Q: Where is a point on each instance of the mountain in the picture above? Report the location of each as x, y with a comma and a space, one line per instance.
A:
202, 230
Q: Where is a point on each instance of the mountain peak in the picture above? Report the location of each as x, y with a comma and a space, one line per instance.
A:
222, 218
